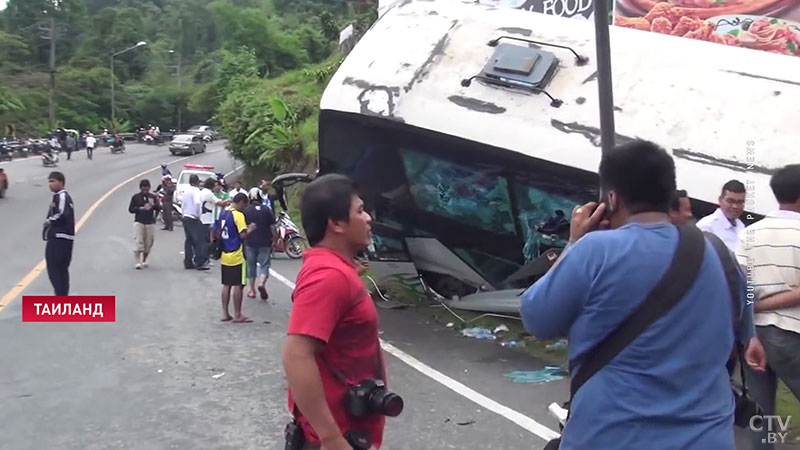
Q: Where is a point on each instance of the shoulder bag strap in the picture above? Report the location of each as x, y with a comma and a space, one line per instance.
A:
731, 269
677, 280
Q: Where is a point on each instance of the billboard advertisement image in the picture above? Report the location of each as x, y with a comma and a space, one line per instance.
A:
768, 25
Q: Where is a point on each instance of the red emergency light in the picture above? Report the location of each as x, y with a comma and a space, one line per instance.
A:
198, 166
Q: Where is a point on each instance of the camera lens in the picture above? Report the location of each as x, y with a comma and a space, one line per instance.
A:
387, 403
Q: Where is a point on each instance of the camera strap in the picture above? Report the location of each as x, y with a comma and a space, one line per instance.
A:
343, 379
672, 287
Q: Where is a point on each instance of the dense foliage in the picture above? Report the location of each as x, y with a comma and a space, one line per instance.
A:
254, 68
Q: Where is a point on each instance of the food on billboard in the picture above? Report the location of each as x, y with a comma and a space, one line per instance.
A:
710, 8
759, 33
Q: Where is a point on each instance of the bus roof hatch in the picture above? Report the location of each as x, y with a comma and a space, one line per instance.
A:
523, 67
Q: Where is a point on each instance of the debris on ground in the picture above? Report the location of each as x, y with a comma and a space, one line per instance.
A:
478, 333
218, 375
469, 422
512, 344
559, 344
450, 324
502, 328
545, 375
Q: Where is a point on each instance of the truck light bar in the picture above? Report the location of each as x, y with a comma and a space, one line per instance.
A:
197, 166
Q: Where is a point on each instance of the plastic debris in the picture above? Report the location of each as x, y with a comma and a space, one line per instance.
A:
549, 373
450, 324
160, 370
218, 376
512, 344
469, 422
559, 344
478, 333
501, 328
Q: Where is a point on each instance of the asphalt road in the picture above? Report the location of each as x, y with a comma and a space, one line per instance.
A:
151, 380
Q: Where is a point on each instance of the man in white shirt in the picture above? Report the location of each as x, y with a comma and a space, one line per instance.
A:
239, 189
207, 202
91, 142
724, 222
195, 248
769, 250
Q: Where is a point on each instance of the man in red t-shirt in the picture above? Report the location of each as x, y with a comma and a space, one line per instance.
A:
333, 327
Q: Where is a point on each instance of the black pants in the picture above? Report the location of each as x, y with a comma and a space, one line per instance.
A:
58, 255
89, 151
195, 247
167, 212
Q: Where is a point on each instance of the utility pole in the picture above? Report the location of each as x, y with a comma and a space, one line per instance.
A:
52, 37
180, 92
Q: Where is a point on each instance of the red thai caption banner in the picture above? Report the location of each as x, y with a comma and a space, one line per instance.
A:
68, 309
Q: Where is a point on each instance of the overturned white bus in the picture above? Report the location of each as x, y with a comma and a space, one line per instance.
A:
473, 130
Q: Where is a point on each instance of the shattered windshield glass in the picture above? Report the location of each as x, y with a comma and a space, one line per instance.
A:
476, 197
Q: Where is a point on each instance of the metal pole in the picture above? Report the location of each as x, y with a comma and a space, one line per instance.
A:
180, 52
112, 91
52, 111
604, 85
179, 92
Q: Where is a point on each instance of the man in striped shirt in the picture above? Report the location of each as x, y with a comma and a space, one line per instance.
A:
769, 250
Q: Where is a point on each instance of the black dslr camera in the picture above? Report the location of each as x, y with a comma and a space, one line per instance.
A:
746, 408
372, 397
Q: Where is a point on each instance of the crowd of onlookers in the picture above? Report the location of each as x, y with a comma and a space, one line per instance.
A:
235, 226
660, 375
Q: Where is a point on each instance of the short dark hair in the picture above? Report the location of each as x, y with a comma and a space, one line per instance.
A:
58, 176
240, 198
734, 186
194, 180
642, 174
329, 197
209, 183
676, 198
785, 184
144, 183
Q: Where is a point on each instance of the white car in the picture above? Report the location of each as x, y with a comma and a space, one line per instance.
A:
202, 171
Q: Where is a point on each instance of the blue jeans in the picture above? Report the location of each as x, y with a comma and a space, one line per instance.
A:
258, 261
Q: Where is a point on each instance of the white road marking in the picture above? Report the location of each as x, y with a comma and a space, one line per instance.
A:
459, 388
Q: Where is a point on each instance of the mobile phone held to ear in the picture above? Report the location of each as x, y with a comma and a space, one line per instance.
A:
605, 200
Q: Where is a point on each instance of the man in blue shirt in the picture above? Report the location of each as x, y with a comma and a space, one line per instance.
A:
669, 389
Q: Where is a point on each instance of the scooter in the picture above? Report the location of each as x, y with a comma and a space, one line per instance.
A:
50, 159
291, 241
118, 148
177, 212
3, 182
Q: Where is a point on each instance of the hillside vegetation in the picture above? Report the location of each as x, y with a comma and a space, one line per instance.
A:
253, 68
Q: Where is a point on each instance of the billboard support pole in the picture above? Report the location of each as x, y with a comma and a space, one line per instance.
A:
604, 86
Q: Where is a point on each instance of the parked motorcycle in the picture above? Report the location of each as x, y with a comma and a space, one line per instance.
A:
290, 240
50, 159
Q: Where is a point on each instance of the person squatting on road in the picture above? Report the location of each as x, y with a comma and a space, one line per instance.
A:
669, 387
332, 355
769, 252
144, 207
59, 231
233, 231
258, 248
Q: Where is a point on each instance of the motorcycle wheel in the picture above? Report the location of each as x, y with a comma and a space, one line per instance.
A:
295, 247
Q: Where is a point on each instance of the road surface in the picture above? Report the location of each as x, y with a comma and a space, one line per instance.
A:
151, 380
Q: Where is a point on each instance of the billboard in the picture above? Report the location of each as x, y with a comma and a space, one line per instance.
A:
768, 25
579, 9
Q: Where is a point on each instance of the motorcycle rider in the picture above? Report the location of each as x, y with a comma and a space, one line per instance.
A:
165, 170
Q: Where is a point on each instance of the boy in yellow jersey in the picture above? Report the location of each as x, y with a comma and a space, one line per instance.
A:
233, 231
